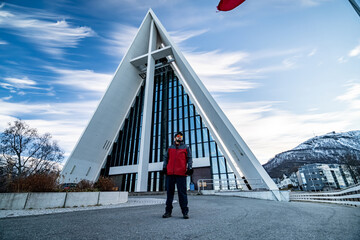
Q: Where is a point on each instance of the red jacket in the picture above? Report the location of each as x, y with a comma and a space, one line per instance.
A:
177, 160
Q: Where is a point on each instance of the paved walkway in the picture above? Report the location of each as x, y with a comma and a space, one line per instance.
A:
211, 217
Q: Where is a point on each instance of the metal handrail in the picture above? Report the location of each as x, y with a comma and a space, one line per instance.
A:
229, 184
349, 196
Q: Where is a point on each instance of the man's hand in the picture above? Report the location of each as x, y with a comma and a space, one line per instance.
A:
189, 171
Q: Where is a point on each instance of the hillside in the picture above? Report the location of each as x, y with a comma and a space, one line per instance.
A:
328, 148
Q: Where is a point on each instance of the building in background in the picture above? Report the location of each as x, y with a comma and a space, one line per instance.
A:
288, 182
323, 177
154, 94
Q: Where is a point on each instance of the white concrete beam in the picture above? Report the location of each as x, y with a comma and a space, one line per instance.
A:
147, 116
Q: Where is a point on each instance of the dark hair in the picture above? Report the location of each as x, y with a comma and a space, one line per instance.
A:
178, 133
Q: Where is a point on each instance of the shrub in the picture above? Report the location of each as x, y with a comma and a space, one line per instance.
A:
85, 186
105, 184
38, 182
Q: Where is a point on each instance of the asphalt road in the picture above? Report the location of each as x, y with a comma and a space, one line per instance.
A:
211, 217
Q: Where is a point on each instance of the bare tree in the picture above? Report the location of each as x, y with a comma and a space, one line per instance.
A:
352, 164
25, 152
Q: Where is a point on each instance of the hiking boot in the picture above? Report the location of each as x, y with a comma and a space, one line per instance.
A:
186, 216
166, 215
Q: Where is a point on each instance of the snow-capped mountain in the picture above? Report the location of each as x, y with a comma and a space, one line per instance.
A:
328, 148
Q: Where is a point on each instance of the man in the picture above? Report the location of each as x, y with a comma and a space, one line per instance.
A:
177, 165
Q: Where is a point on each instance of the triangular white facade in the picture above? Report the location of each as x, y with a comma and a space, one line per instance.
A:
152, 43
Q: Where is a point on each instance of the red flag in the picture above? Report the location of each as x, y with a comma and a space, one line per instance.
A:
227, 5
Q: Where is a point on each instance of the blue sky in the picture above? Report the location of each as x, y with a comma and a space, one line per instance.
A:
282, 70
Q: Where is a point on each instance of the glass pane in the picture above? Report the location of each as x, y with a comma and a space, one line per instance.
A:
206, 149
175, 102
219, 152
180, 101
181, 126
229, 169
200, 154
205, 135
175, 126
216, 181
198, 135
135, 181
130, 179
185, 111
186, 137
224, 182
186, 99
214, 165
198, 122
191, 108
210, 137
175, 114
192, 123
157, 181
152, 157
170, 139
192, 134
186, 121
213, 149
180, 113
222, 165
169, 115
193, 150
152, 182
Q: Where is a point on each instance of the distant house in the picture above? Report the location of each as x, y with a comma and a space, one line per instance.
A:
324, 177
286, 181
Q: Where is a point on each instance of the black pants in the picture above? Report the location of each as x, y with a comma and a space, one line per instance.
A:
181, 187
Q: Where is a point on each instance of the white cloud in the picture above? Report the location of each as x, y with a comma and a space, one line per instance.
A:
20, 82
352, 95
19, 85
119, 40
65, 121
7, 98
3, 42
227, 72
221, 72
180, 36
268, 130
355, 52
82, 79
121, 36
312, 53
304, 3
310, 3
342, 60
47, 31
290, 62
